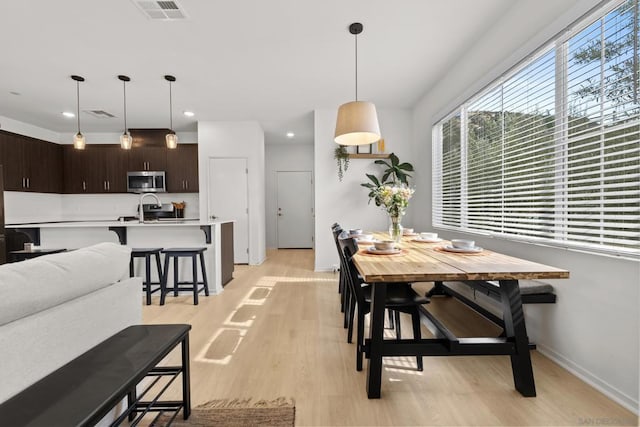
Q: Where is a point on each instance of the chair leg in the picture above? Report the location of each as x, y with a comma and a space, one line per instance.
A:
175, 276
159, 267
147, 277
204, 275
360, 338
398, 331
194, 270
417, 334
163, 282
350, 315
131, 267
346, 301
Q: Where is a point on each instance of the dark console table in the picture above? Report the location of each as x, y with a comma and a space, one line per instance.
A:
83, 391
22, 255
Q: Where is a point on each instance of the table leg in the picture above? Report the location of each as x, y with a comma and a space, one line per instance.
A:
376, 336
516, 330
186, 381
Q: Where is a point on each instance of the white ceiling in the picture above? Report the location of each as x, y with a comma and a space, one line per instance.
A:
273, 61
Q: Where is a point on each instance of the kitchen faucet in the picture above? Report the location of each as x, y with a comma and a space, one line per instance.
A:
141, 210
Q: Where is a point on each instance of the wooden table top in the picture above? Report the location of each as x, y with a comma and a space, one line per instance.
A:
427, 262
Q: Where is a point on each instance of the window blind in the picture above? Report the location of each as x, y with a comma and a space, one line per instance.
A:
551, 152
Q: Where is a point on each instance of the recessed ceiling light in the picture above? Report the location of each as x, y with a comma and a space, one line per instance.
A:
68, 114
290, 134
189, 113
15, 93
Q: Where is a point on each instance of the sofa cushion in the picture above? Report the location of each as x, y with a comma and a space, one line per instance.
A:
34, 285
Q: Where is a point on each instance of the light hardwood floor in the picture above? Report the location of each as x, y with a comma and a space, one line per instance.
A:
276, 330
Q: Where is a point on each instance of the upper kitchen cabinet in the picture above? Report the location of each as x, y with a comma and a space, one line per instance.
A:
148, 152
182, 169
30, 164
147, 159
99, 168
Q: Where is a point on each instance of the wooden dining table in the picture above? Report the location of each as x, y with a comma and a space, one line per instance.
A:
430, 262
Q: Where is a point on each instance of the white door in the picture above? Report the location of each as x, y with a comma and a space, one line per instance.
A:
295, 209
229, 199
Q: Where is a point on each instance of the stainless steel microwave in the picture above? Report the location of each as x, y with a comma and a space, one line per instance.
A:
146, 182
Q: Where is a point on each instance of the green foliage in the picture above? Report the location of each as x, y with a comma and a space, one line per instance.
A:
341, 155
396, 173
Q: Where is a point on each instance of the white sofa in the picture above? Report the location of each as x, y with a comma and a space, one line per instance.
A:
56, 307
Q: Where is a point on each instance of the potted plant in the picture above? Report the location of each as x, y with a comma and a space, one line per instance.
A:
392, 191
342, 159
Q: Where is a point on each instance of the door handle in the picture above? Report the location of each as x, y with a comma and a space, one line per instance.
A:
28, 183
186, 184
279, 214
84, 185
108, 186
213, 217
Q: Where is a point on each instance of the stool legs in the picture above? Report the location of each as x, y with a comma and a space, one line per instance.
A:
204, 275
163, 281
176, 254
147, 271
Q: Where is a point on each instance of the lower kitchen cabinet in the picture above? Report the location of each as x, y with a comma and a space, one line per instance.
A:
226, 252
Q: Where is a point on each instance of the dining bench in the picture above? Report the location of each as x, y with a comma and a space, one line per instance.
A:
484, 296
85, 390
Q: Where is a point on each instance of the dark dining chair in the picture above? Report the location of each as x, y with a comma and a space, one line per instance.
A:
400, 298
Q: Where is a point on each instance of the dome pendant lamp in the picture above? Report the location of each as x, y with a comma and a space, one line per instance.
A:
357, 122
78, 139
171, 137
125, 138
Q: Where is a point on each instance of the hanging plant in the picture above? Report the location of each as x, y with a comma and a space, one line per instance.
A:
342, 159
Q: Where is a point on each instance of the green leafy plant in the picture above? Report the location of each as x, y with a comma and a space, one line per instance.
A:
398, 172
341, 155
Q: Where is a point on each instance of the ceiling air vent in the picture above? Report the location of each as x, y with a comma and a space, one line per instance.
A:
99, 114
161, 10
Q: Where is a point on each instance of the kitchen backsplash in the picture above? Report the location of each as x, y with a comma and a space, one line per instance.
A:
40, 207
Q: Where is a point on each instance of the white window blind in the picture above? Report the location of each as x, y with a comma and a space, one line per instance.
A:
551, 151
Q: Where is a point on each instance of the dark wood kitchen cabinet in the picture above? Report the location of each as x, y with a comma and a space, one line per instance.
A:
99, 168
148, 159
182, 169
30, 164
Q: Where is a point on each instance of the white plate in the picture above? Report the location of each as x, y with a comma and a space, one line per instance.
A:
473, 250
410, 234
418, 239
373, 250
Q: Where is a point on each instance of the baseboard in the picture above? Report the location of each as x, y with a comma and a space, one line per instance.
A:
607, 389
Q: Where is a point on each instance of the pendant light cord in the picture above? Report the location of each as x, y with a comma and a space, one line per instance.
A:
78, 102
124, 90
170, 107
356, 37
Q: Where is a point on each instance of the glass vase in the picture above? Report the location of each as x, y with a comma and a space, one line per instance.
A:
395, 228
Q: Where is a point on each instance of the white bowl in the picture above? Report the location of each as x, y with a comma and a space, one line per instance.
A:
429, 236
463, 244
355, 231
383, 245
365, 236
407, 231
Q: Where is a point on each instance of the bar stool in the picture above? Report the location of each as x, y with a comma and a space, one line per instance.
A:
146, 253
194, 254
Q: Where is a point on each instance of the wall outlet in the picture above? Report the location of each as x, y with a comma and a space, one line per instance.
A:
336, 268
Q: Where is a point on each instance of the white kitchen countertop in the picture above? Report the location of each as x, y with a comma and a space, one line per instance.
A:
99, 223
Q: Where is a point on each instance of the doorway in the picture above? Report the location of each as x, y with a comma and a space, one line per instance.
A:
229, 199
294, 209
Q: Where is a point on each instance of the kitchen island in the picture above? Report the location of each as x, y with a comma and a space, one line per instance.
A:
216, 236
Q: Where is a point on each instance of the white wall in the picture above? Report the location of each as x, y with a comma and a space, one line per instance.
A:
237, 140
26, 129
282, 157
593, 328
346, 202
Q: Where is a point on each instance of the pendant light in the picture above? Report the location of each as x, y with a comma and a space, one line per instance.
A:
125, 138
171, 137
78, 139
357, 122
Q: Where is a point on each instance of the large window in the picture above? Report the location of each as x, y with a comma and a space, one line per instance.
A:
550, 152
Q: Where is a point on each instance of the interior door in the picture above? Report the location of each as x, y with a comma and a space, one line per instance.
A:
295, 209
229, 199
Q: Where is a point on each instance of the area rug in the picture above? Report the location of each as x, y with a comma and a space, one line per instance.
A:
236, 412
